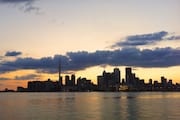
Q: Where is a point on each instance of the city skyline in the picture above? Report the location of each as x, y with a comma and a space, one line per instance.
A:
108, 81
88, 36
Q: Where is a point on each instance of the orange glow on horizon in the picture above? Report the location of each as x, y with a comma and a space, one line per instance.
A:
91, 73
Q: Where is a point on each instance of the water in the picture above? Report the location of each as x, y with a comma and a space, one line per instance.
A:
90, 106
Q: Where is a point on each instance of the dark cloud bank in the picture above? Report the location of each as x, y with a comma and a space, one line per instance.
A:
26, 5
159, 57
146, 39
4, 78
12, 53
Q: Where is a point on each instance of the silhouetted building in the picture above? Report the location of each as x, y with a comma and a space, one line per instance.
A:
60, 81
170, 84
156, 86
22, 89
67, 81
109, 81
150, 81
123, 81
84, 85
105, 82
149, 86
73, 79
70, 84
60, 78
128, 76
163, 83
132, 82
43, 86
117, 76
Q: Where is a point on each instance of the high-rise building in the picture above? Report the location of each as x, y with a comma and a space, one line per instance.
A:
109, 81
150, 81
163, 82
73, 78
132, 81
170, 84
128, 76
67, 80
117, 75
100, 82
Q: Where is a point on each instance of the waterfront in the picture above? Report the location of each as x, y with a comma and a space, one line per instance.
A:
90, 106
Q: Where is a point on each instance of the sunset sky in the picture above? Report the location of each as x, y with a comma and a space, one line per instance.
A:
89, 36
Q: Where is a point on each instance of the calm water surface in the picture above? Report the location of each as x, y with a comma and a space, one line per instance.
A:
90, 106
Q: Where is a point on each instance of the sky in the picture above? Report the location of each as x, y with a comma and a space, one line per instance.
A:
89, 36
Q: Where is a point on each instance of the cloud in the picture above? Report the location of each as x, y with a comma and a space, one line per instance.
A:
45, 64
73, 61
15, 1
173, 38
25, 5
27, 77
4, 78
145, 39
13, 53
1, 58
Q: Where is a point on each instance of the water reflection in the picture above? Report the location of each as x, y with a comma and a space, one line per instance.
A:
88, 106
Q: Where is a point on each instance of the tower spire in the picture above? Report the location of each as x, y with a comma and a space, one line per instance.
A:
59, 70
60, 78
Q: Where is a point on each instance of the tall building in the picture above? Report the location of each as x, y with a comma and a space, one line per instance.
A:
163, 82
117, 75
132, 81
100, 82
67, 80
109, 81
128, 76
73, 78
150, 81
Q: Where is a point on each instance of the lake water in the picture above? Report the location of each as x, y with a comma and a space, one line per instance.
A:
90, 106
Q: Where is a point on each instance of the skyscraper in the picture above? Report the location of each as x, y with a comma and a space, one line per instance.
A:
117, 76
128, 76
73, 78
109, 81
163, 82
67, 80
